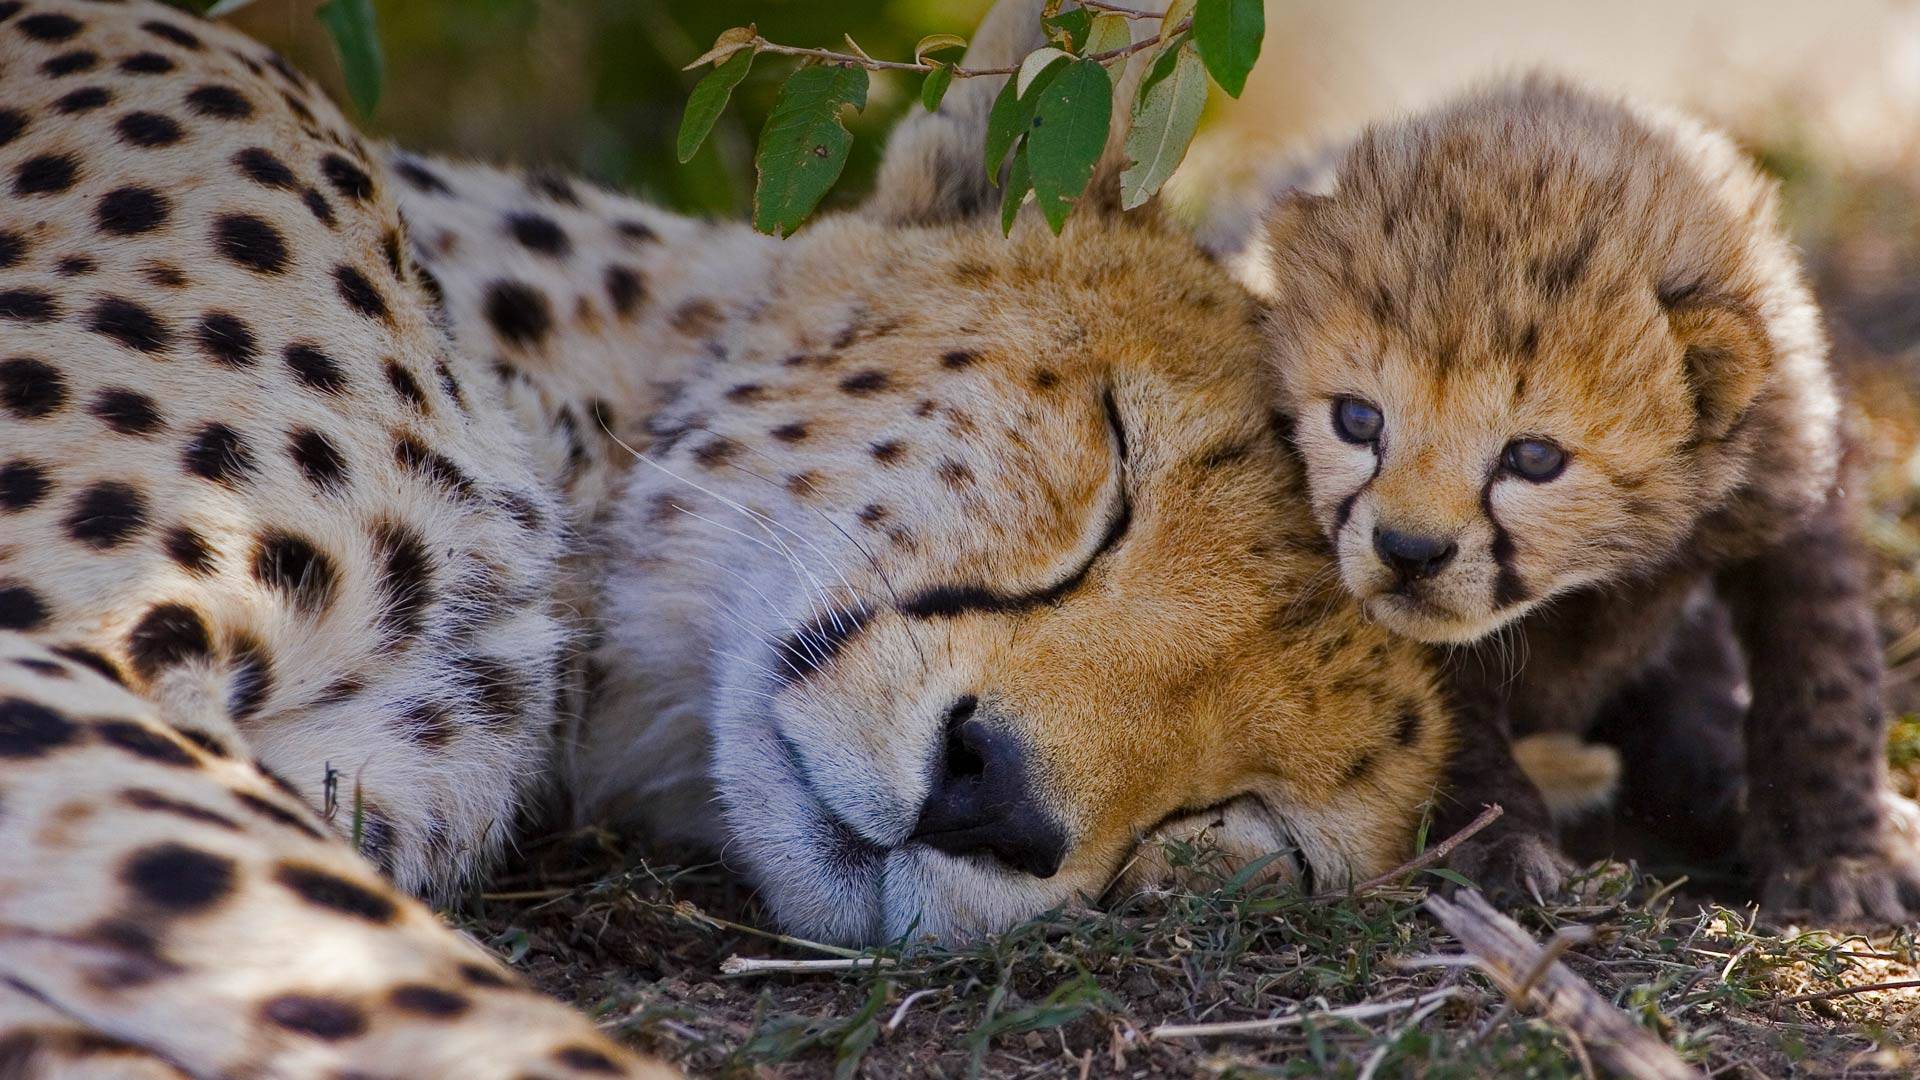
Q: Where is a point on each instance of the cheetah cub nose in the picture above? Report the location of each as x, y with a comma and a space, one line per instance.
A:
1413, 557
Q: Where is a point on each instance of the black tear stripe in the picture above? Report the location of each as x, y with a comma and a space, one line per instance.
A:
952, 601
811, 646
1508, 589
1345, 510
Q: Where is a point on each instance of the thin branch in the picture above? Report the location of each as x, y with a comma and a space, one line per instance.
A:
687, 911
755, 965
1849, 991
1368, 1011
760, 44
1117, 9
1436, 853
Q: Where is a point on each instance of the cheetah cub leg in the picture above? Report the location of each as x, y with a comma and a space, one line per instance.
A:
166, 907
1825, 833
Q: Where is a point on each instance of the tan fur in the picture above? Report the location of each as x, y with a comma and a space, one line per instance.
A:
1576, 778
513, 486
1534, 262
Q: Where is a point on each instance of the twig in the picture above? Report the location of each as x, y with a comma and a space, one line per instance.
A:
1509, 955
760, 45
1432, 855
1379, 1055
759, 965
900, 1014
1849, 991
687, 911
1367, 1011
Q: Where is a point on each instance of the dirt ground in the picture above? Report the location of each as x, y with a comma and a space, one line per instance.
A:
640, 943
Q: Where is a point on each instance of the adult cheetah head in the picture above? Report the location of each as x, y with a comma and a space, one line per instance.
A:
977, 562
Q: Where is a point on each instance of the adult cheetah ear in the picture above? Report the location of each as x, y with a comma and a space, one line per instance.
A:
1726, 352
931, 172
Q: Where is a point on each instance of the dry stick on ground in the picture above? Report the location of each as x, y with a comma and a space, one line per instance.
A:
1366, 1011
1432, 855
1511, 957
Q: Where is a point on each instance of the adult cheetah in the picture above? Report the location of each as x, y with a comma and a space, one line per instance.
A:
351, 496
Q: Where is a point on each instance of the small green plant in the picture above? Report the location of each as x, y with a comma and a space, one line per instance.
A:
1049, 123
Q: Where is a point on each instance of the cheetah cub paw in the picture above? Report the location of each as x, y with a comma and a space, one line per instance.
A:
1513, 865
1882, 887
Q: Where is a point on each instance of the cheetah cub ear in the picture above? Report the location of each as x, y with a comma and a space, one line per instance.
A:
932, 174
1726, 351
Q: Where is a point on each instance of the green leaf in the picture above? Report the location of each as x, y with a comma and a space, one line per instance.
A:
730, 41
1454, 876
934, 43
936, 85
709, 100
1164, 120
1036, 64
1019, 186
350, 23
1070, 119
1010, 118
1228, 33
1069, 29
1109, 32
804, 145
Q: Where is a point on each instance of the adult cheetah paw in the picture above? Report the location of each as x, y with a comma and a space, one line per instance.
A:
1882, 887
1513, 865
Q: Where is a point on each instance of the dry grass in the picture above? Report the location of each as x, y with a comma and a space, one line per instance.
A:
1081, 994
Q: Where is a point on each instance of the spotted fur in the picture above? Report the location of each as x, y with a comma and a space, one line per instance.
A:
1535, 262
349, 495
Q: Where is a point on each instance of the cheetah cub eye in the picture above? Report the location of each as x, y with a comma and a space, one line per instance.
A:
1534, 460
1356, 421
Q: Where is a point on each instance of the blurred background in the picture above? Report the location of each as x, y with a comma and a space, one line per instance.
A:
1825, 94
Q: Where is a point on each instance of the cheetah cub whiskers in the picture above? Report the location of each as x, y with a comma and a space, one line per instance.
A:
1563, 397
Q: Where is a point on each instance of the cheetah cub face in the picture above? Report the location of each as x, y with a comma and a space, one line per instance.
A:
1518, 341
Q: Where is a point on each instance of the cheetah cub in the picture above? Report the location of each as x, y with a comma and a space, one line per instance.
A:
1564, 404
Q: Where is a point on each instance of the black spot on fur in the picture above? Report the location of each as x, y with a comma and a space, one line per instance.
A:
518, 312
279, 815
52, 669
586, 1059
87, 658
28, 305
538, 232
315, 369
208, 745
427, 723
218, 102
294, 566
554, 186
23, 484
219, 453
422, 179
406, 577
189, 549
148, 130
626, 288
958, 359
865, 382
259, 165
1360, 768
414, 455
326, 889
889, 452
790, 433
178, 879
146, 63
49, 26
168, 634
423, 1000
150, 800
126, 411
21, 608
359, 293
129, 211
75, 266
13, 248
347, 178
84, 100
31, 389
105, 514
1406, 730
30, 730
130, 324
226, 339
318, 459
70, 63
811, 647
636, 232
252, 680
251, 242
48, 174
318, 206
146, 743
166, 31
324, 1018
493, 685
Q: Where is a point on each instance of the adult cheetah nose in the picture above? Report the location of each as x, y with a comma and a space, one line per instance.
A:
982, 802
1413, 557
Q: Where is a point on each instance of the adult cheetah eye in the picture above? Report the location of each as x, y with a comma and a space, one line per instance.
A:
1535, 460
1356, 421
